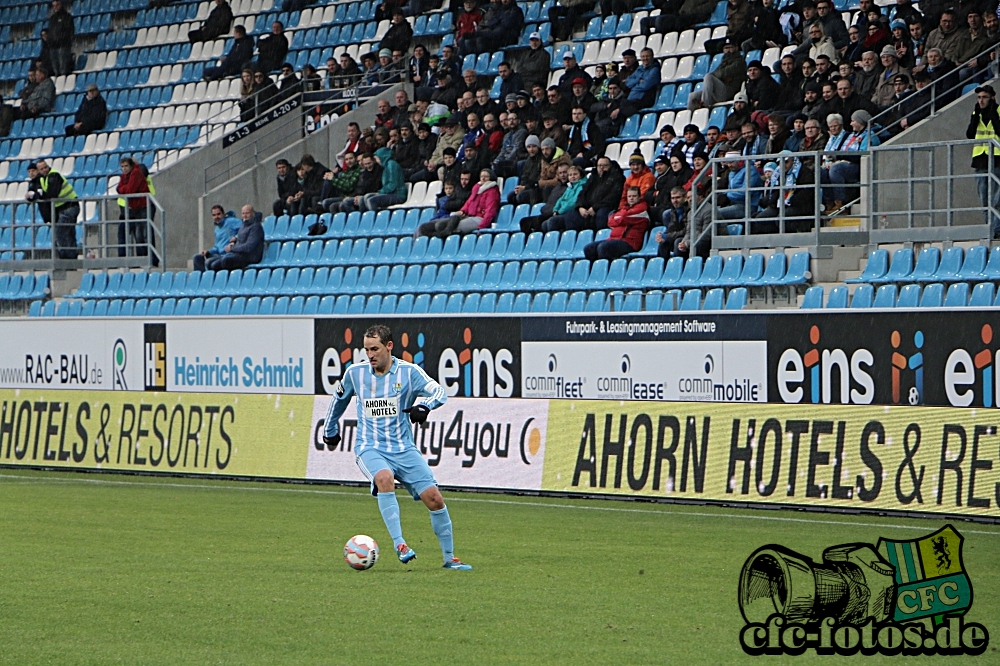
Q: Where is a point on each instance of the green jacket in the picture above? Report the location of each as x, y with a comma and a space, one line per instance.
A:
568, 199
344, 180
392, 174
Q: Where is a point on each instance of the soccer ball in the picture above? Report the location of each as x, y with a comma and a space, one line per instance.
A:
361, 552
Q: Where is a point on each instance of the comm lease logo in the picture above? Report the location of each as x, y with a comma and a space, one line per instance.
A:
899, 597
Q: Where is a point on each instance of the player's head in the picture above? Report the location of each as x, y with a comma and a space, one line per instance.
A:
378, 346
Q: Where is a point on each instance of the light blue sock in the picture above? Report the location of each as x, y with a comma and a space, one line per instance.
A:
441, 522
389, 507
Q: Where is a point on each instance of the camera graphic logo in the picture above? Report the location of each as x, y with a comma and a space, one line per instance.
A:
898, 597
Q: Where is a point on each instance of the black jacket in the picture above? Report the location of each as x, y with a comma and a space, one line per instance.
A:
250, 241
217, 23
61, 30
287, 185
531, 171
407, 153
534, 67
602, 192
762, 93
398, 37
369, 182
990, 117
593, 136
93, 113
458, 198
271, 51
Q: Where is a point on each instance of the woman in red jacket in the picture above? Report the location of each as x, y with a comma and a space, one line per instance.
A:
628, 227
132, 208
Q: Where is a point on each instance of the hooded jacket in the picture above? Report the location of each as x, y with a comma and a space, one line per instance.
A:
630, 224
484, 202
643, 180
547, 178
568, 199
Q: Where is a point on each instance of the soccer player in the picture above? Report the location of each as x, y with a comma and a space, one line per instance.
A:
387, 390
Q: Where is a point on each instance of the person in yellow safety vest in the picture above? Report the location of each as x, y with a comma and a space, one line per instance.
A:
54, 188
132, 208
985, 126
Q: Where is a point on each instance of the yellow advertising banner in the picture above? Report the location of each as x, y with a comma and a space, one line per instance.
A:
189, 433
919, 459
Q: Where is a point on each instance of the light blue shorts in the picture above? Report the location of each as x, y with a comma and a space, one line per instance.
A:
407, 466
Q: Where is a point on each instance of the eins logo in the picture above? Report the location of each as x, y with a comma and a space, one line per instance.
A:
822, 371
476, 372
962, 370
468, 372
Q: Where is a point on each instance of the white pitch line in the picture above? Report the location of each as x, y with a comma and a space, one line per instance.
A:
480, 500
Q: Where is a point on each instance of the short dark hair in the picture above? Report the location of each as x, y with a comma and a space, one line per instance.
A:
283, 161
380, 331
219, 208
308, 160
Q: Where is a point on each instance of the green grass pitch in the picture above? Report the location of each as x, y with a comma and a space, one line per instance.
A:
100, 569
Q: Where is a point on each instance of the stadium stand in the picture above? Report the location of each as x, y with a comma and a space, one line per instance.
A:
365, 262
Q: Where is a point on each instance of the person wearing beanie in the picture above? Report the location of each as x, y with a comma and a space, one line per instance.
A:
552, 157
693, 142
761, 90
527, 190
639, 177
886, 90
984, 125
847, 170
399, 35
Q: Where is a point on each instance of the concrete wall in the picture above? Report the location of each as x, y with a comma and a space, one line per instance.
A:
190, 187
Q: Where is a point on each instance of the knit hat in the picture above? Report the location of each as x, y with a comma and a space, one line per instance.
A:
510, 99
700, 153
771, 166
897, 24
637, 157
531, 141
385, 53
889, 50
547, 143
861, 116
755, 63
690, 127
668, 128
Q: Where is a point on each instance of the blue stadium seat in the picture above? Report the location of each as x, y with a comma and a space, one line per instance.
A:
813, 298
775, 271
901, 268
595, 302
692, 300
982, 295
885, 297
951, 264
737, 299
373, 306
863, 296
909, 296
992, 270
711, 272
798, 270
714, 299
957, 296
933, 296
692, 272
974, 264
672, 272
488, 303
522, 303
577, 301
876, 267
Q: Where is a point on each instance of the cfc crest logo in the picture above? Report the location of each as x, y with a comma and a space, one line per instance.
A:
899, 597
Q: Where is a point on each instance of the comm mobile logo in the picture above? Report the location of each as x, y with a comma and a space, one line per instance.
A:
855, 385
896, 597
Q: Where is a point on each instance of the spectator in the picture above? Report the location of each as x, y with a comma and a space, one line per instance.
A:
867, 78
878, 34
311, 81
512, 149
41, 97
475, 159
585, 141
629, 64
777, 134
349, 74
215, 26
740, 112
492, 136
419, 67
571, 72
639, 176
45, 54
60, 39
678, 15
693, 142
91, 115
451, 199
946, 37
642, 84
393, 189
484, 106
510, 81
426, 143
617, 7
601, 77
885, 90
272, 48
248, 96
668, 143
449, 137
767, 32
354, 144
724, 82
134, 209
287, 83
849, 101
675, 219
798, 133
564, 15
534, 223
246, 248
829, 102
239, 55
369, 182
743, 179
814, 138
286, 187
338, 184
761, 90
566, 202
553, 129
227, 227
972, 42
984, 125
790, 87
499, 27
658, 196
399, 35
57, 198
855, 47
833, 24
552, 157
468, 21
739, 25
821, 44
838, 135
628, 226
6, 118
386, 116
788, 193
527, 189
390, 69
916, 107
481, 209
599, 197
534, 67
473, 135
847, 170
556, 106
406, 151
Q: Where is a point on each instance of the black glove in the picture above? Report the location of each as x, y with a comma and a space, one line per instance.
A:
418, 413
332, 443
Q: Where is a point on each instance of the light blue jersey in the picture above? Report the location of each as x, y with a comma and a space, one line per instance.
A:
382, 424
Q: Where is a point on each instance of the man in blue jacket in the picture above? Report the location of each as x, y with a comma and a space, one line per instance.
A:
642, 84
246, 248
739, 172
232, 64
226, 228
